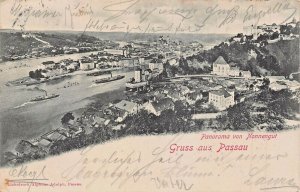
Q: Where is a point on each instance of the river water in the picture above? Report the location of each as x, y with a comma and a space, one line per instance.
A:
21, 119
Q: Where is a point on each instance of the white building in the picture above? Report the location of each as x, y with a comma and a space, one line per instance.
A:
246, 74
156, 64
86, 64
138, 75
222, 99
127, 106
49, 64
221, 67
156, 107
234, 71
122, 52
261, 29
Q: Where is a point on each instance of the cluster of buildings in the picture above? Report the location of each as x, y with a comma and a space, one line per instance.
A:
53, 69
41, 145
104, 60
258, 30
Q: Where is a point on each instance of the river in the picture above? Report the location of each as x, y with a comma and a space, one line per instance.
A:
21, 119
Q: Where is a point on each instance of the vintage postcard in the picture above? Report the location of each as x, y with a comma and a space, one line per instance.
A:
149, 96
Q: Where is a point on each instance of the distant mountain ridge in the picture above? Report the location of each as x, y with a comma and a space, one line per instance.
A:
123, 36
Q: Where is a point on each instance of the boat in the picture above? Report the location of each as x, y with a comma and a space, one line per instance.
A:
98, 73
45, 97
109, 79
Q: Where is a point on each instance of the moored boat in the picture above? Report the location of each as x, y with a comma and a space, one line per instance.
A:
108, 79
41, 98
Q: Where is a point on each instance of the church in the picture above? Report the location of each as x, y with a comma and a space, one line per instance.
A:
221, 67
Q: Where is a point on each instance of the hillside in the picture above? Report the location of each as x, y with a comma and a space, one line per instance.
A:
279, 58
18, 44
15, 44
287, 55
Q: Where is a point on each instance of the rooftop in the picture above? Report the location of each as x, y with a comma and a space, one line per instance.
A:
48, 62
221, 92
220, 60
125, 105
163, 104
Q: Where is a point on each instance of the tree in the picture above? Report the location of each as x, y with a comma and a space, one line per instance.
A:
211, 108
275, 35
31, 74
262, 37
239, 35
283, 104
239, 117
222, 120
160, 56
266, 83
67, 117
181, 110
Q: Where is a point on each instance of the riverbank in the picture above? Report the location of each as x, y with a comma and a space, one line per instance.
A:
21, 119
43, 122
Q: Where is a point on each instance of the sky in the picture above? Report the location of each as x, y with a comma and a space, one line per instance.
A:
144, 16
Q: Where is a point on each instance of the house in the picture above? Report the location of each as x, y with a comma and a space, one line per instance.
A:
234, 71
156, 64
99, 121
10, 159
156, 107
121, 52
277, 86
174, 95
127, 106
49, 64
184, 89
45, 143
246, 74
86, 64
275, 78
55, 136
222, 99
148, 74
25, 147
72, 66
122, 114
191, 98
221, 67
237, 39
241, 87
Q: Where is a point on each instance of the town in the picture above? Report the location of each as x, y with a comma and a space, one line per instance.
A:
176, 87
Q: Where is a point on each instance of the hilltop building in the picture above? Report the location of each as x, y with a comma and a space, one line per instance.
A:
261, 29
258, 30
